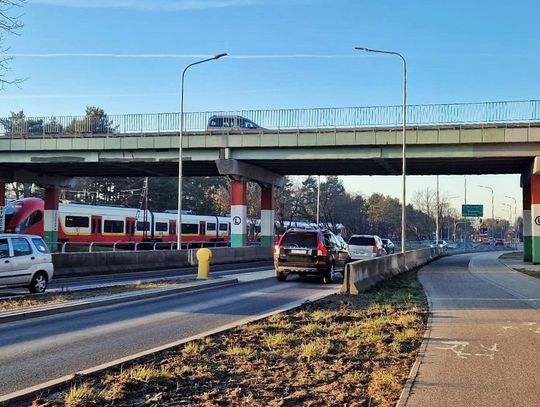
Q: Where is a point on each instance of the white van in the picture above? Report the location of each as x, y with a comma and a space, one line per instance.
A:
25, 261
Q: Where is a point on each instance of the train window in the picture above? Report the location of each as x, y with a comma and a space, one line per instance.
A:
190, 229
211, 227
161, 227
77, 221
223, 227
113, 226
143, 226
21, 247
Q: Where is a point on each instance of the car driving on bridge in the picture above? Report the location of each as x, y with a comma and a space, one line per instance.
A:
231, 124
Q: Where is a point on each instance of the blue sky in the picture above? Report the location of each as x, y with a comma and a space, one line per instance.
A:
283, 54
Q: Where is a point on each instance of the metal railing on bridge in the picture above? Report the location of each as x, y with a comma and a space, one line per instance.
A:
489, 113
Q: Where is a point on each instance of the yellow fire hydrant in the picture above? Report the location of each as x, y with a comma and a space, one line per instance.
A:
204, 256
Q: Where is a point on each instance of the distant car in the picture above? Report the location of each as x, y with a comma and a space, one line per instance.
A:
440, 243
309, 252
499, 242
388, 246
25, 261
231, 124
362, 247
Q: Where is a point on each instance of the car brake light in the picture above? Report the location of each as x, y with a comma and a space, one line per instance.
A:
375, 249
321, 250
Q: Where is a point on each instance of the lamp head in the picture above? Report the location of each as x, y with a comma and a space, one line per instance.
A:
362, 49
220, 55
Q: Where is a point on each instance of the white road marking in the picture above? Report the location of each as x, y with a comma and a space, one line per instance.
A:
492, 349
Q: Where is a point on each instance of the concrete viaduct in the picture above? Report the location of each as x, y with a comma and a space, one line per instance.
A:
505, 141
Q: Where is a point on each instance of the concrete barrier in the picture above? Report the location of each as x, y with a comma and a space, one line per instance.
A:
364, 274
84, 264
227, 255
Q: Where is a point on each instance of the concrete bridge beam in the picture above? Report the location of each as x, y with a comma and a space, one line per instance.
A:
248, 172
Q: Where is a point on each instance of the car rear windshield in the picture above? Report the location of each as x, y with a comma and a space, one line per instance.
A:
300, 239
362, 241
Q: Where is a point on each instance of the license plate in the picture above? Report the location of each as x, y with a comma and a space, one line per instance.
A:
298, 251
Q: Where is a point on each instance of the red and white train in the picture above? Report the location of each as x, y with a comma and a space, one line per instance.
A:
106, 224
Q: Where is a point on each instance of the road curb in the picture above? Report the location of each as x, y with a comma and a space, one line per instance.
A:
11, 316
406, 392
22, 395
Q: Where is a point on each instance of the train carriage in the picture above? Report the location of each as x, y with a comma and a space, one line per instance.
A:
106, 224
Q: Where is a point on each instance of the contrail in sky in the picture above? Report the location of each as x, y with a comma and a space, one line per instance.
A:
180, 56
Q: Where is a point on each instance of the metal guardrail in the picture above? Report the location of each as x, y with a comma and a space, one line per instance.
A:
94, 247
508, 112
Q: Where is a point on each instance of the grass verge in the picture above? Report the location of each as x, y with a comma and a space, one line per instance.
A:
342, 350
52, 298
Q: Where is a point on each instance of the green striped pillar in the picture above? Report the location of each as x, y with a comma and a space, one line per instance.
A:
527, 225
267, 216
50, 218
238, 213
535, 218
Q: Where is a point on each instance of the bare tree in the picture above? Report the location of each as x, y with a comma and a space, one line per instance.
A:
10, 22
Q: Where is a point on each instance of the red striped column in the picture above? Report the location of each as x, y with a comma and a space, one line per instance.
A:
527, 225
238, 213
50, 217
267, 216
535, 218
2, 207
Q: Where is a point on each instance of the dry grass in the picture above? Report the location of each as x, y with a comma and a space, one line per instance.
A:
342, 351
50, 298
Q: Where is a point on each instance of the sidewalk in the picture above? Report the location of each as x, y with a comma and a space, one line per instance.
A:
484, 337
514, 260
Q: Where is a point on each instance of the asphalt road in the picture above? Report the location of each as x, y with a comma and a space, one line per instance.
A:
42, 349
106, 280
484, 347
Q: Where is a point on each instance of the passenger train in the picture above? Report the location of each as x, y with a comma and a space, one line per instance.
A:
105, 224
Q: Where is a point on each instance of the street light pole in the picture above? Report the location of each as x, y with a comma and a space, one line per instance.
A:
515, 217
181, 134
509, 212
437, 218
404, 142
492, 206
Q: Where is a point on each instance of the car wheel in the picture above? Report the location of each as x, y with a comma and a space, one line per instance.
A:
38, 283
329, 275
281, 276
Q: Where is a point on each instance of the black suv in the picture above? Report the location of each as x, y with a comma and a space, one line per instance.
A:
309, 252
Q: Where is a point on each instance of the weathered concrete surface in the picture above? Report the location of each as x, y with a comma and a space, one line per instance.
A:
82, 264
484, 344
226, 255
364, 274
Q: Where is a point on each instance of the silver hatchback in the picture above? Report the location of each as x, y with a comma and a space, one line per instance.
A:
362, 247
25, 261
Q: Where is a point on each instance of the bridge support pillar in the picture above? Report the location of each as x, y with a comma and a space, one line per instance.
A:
50, 217
267, 216
238, 213
2, 206
527, 221
535, 218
